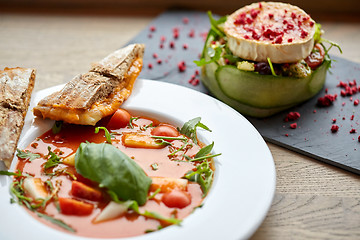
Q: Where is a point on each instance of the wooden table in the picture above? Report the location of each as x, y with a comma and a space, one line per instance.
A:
312, 200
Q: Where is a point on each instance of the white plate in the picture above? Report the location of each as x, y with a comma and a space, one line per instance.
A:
244, 182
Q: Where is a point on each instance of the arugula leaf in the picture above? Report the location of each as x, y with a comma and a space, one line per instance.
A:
203, 175
205, 150
134, 206
27, 155
203, 157
55, 221
111, 168
108, 135
56, 128
7, 173
53, 159
189, 128
215, 24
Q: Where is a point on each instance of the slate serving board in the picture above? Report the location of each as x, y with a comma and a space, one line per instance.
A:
178, 36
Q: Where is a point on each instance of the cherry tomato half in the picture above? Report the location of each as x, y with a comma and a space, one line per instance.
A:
176, 199
316, 57
165, 131
71, 206
119, 119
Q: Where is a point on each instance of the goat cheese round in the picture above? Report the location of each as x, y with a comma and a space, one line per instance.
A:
279, 31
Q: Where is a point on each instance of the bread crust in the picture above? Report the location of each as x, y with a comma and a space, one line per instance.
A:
16, 85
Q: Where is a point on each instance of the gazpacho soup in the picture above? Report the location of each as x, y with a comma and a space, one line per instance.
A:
126, 176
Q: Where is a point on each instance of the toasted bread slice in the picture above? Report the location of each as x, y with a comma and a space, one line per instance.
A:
16, 85
89, 97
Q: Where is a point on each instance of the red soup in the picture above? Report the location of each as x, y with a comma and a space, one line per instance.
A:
130, 175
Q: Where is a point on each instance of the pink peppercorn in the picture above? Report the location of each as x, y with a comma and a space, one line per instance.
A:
353, 130
152, 28
159, 61
150, 66
293, 125
334, 128
356, 102
181, 66
185, 20
359, 139
292, 116
172, 44
192, 33
155, 55
185, 46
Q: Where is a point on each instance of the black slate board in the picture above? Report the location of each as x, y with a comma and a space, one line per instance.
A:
312, 137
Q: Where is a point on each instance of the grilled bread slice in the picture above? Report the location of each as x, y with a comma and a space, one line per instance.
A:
16, 85
89, 97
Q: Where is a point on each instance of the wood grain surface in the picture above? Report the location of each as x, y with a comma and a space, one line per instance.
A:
312, 201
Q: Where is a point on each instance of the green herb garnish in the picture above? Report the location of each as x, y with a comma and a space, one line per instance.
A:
52, 159
189, 128
27, 155
271, 67
131, 121
203, 175
108, 135
55, 221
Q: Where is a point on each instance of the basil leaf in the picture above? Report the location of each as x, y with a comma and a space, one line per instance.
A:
27, 155
111, 168
189, 128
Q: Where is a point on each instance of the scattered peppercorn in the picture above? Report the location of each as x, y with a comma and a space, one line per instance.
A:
181, 66
292, 116
327, 100
334, 128
353, 130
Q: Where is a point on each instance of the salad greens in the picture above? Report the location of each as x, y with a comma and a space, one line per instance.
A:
111, 168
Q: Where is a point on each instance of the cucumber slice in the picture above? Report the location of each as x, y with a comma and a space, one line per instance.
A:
267, 91
259, 95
